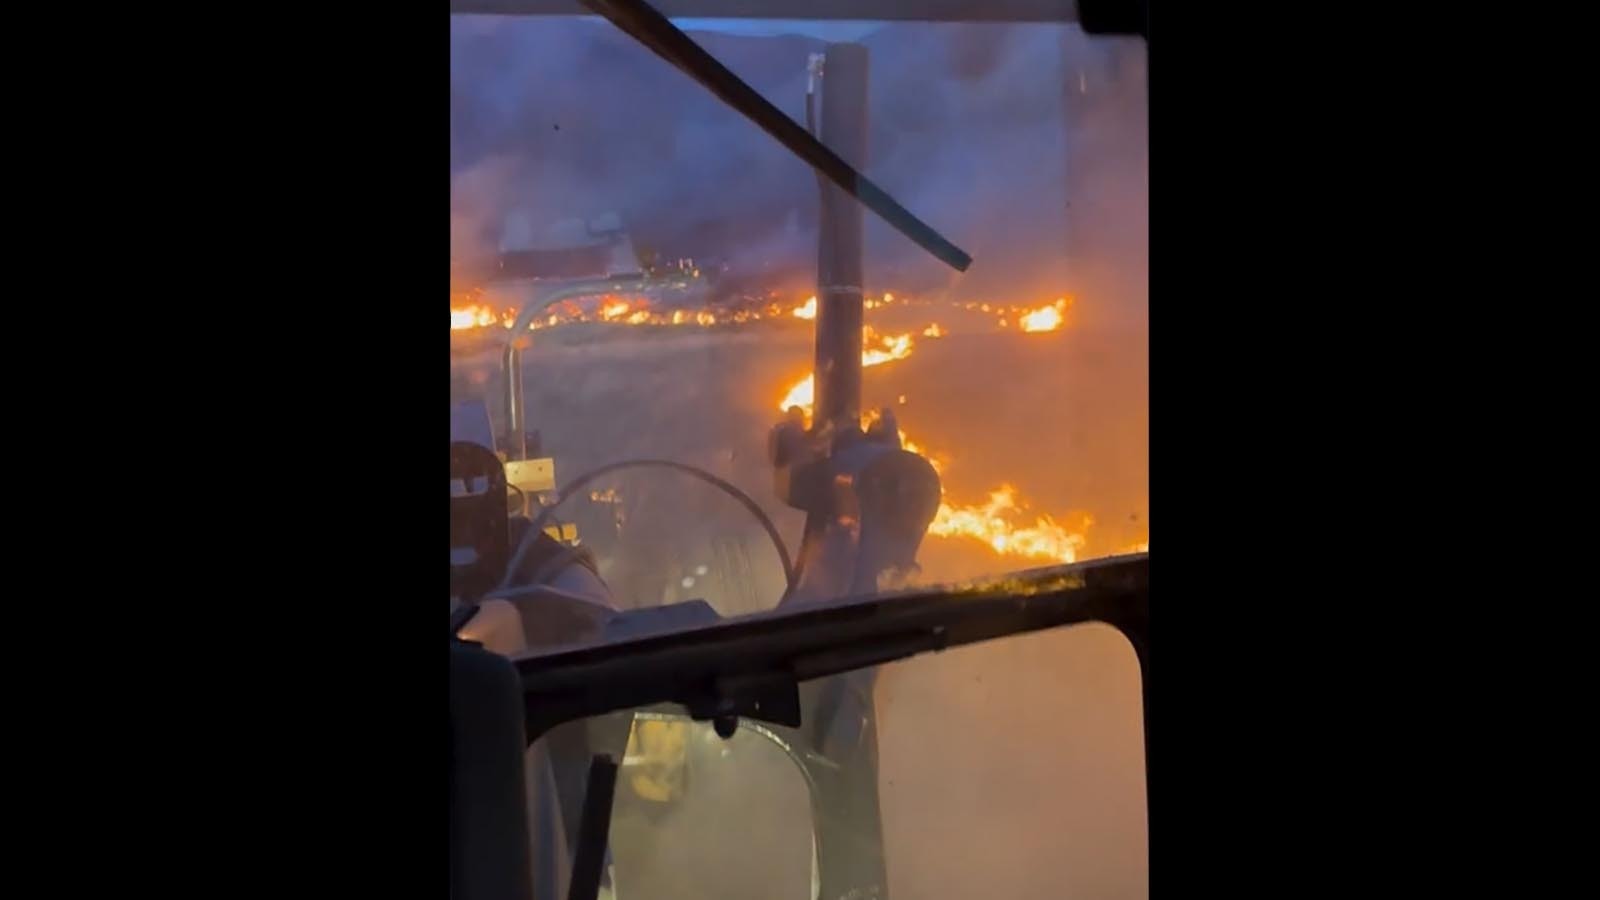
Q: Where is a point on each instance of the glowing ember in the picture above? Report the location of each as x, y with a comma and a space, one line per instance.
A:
933, 331
1045, 318
613, 309
806, 310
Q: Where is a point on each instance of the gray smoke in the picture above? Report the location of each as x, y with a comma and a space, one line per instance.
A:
1023, 144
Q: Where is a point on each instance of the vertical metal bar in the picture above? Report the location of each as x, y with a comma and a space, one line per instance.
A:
839, 266
1138, 634
490, 853
516, 424
589, 860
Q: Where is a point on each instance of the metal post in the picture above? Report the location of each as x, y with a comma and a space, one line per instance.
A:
490, 846
511, 357
516, 424
839, 269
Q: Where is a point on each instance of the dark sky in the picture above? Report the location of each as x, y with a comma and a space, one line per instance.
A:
1007, 139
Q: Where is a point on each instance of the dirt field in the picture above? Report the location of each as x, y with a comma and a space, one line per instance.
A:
1062, 417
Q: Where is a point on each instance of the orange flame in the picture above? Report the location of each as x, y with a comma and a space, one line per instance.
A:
998, 523
802, 394
466, 313
990, 523
473, 316
888, 349
876, 350
1045, 318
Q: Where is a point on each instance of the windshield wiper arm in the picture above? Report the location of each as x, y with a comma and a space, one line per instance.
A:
650, 28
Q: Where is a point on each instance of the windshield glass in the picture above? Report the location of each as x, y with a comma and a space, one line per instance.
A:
672, 250
1012, 769
691, 378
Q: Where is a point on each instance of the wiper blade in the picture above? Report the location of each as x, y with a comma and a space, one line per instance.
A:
650, 28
